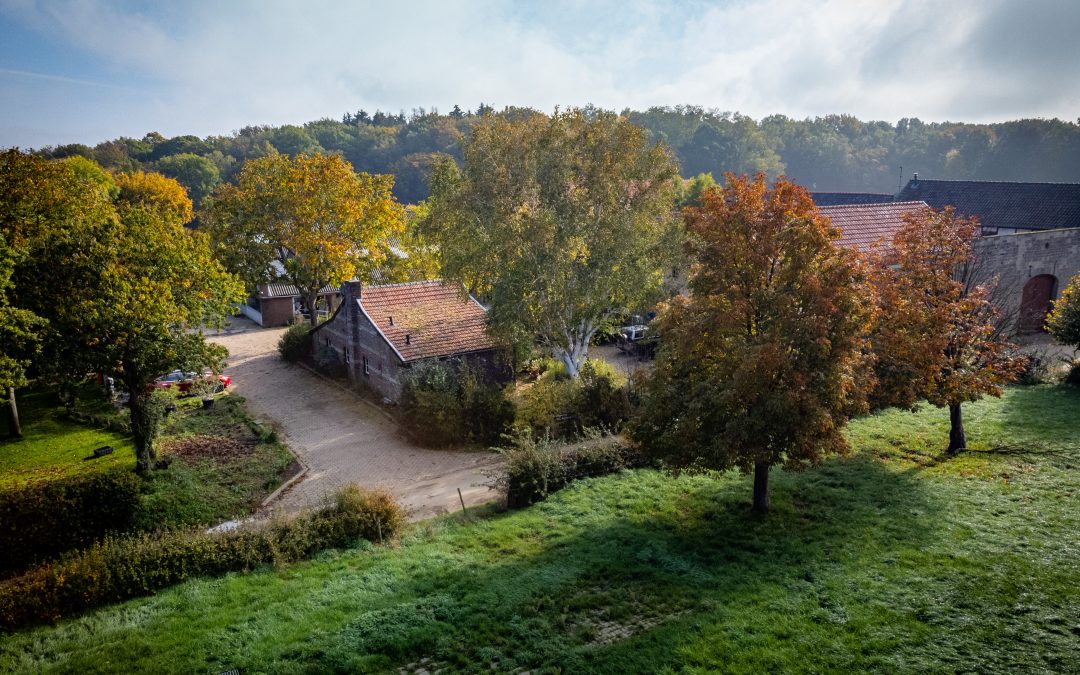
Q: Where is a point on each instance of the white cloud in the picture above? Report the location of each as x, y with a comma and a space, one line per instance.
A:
218, 66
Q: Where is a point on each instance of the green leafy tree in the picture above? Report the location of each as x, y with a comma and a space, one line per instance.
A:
320, 220
160, 285
198, 174
1064, 320
765, 361
558, 223
53, 220
1064, 323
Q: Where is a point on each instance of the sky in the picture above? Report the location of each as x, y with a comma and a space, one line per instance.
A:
86, 71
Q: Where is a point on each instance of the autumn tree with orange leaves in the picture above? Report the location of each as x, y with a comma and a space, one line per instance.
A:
936, 334
767, 359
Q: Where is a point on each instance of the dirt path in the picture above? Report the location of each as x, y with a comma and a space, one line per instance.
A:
343, 439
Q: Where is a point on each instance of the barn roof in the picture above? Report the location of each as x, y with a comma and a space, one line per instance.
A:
865, 227
849, 198
424, 319
1020, 206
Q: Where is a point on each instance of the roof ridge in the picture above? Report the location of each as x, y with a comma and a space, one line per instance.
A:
441, 282
990, 182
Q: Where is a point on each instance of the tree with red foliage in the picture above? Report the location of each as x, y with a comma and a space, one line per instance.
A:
937, 335
766, 360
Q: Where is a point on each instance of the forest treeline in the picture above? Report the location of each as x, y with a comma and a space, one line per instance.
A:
831, 153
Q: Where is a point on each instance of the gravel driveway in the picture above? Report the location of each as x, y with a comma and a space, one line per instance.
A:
342, 438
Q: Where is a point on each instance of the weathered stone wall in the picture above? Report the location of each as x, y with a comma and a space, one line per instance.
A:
1015, 259
356, 343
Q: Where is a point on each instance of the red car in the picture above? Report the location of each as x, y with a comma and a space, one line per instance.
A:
183, 381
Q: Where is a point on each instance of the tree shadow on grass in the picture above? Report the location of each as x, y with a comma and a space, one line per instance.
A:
620, 570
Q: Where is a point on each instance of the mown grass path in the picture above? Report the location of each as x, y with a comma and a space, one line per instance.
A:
888, 560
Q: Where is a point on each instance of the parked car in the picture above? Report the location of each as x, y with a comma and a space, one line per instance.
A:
636, 340
183, 381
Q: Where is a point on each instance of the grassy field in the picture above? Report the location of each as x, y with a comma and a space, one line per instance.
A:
891, 559
54, 446
219, 468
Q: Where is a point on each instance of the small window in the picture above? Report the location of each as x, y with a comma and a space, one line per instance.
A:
346, 355
366, 371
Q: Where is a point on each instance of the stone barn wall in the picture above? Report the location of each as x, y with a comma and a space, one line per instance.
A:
1017, 259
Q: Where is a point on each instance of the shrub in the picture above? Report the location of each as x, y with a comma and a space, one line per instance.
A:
120, 568
599, 401
535, 468
1073, 376
295, 343
444, 405
41, 521
544, 406
557, 406
1036, 369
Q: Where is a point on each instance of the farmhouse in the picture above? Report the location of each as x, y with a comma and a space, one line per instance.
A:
379, 332
1025, 263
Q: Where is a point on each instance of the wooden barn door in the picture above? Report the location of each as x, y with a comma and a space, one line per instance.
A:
1035, 304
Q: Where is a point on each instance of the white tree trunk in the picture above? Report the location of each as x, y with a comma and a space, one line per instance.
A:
574, 353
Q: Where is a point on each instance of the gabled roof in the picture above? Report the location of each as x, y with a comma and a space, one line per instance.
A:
1021, 206
283, 290
865, 227
430, 318
848, 198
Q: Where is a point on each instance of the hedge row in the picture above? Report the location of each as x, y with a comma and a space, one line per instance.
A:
116, 568
535, 469
41, 521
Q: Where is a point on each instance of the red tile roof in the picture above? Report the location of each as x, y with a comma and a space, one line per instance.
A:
430, 318
865, 227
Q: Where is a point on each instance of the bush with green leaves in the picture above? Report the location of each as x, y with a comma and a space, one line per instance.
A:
1064, 324
295, 343
118, 568
539, 466
445, 403
558, 406
40, 521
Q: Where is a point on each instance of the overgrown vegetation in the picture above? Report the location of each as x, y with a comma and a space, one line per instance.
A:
46, 519
555, 405
295, 342
119, 568
538, 467
447, 403
887, 560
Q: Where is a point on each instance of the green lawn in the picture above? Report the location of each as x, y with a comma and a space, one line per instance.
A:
196, 488
54, 446
889, 560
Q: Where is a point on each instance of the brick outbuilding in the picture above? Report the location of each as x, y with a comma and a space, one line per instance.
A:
379, 332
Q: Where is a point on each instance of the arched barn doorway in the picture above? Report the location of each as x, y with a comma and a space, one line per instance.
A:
1035, 303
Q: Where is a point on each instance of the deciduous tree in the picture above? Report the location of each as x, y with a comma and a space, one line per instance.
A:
160, 285
1064, 323
936, 335
319, 219
558, 223
766, 360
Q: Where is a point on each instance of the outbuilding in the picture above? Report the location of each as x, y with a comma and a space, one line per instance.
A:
379, 332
